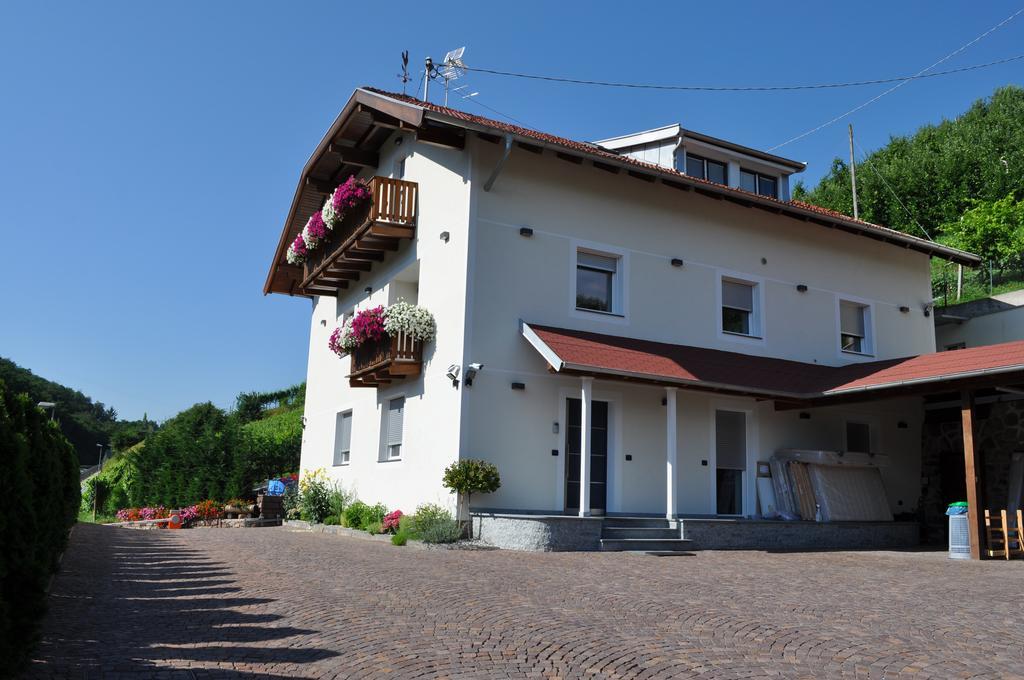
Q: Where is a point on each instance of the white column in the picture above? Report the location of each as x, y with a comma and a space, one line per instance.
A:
585, 441
670, 452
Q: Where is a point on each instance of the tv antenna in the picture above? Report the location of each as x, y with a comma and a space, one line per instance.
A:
404, 75
452, 68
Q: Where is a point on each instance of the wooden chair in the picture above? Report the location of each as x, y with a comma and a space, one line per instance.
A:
997, 534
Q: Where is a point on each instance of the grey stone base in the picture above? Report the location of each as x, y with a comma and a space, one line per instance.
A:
733, 534
538, 532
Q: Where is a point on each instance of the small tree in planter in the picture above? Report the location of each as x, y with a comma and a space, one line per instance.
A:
467, 477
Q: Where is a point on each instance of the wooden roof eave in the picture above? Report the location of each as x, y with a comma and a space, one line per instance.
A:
360, 99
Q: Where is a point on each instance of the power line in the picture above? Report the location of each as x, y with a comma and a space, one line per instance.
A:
743, 88
899, 84
871, 166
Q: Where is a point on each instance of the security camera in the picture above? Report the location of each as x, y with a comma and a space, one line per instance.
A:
471, 372
453, 374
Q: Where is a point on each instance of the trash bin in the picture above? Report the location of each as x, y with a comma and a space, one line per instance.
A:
959, 532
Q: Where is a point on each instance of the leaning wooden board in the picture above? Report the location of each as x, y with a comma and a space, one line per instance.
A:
804, 491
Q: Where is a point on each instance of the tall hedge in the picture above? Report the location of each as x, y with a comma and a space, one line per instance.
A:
39, 498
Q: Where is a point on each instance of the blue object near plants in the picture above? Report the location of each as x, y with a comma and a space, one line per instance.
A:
275, 488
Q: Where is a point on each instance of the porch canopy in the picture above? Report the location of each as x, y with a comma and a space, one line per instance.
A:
790, 384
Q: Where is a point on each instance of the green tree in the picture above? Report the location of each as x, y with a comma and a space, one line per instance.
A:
992, 229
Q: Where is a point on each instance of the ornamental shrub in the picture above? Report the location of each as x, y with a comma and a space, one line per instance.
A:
338, 498
314, 496
352, 515
401, 538
332, 520
39, 503
469, 476
435, 524
391, 521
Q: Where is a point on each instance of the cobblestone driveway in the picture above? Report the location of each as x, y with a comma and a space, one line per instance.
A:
273, 603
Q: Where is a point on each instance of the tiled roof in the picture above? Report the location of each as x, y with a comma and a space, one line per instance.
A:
599, 152
743, 373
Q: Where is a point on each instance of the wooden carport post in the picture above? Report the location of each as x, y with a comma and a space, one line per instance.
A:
974, 511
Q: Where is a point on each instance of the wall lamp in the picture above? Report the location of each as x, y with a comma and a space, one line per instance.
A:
518, 386
904, 309
525, 231
802, 287
676, 262
453, 374
445, 236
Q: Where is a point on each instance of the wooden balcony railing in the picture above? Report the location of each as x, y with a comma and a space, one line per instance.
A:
364, 237
388, 359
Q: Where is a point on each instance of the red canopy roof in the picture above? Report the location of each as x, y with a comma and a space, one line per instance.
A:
700, 367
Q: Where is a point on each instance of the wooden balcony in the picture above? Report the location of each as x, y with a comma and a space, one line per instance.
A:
389, 359
363, 238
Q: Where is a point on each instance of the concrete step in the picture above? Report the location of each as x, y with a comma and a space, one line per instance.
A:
636, 523
644, 544
639, 532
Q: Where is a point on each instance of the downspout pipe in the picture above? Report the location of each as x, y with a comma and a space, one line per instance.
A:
675, 151
500, 164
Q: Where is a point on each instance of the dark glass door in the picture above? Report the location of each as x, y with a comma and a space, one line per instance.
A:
598, 454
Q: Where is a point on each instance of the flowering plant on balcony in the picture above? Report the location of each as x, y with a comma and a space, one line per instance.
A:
352, 193
297, 251
411, 320
314, 231
374, 324
368, 325
342, 341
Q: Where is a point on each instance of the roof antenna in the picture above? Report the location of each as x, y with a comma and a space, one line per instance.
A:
404, 75
452, 68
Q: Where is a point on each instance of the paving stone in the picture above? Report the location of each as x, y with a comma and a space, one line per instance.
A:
272, 603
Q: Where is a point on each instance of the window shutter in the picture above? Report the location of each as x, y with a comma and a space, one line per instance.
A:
396, 414
608, 264
731, 440
738, 295
851, 319
343, 436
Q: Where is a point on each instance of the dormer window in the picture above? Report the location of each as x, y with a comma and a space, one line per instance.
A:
756, 183
705, 168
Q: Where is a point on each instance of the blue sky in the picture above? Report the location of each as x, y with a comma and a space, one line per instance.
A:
149, 151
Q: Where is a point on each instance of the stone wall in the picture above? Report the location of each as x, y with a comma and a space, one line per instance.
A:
744, 534
538, 532
999, 432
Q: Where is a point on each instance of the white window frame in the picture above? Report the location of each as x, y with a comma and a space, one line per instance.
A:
385, 455
757, 315
868, 347
620, 282
346, 454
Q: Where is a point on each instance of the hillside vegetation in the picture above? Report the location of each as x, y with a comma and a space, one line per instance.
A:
205, 452
960, 181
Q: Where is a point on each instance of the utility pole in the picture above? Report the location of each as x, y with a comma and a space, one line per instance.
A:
959, 281
429, 66
853, 176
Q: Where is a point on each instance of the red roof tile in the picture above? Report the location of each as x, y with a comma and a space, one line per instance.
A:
598, 151
744, 373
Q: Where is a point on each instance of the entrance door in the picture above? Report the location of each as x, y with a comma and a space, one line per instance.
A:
598, 454
730, 461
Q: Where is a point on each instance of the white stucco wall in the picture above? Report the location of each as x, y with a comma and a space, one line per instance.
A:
431, 424
990, 329
514, 277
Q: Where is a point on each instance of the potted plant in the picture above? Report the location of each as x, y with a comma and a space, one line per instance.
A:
467, 477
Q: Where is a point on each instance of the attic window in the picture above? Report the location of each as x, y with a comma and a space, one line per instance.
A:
756, 183
705, 168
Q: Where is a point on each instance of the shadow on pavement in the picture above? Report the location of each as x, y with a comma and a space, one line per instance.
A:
129, 602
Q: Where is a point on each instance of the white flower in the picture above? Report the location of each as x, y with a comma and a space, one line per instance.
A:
330, 216
311, 242
293, 257
412, 320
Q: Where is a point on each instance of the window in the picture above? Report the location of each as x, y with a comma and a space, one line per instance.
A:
400, 168
342, 438
705, 168
596, 281
858, 437
756, 183
955, 346
393, 428
738, 307
854, 320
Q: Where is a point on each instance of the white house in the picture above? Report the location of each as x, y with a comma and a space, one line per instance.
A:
987, 321
635, 323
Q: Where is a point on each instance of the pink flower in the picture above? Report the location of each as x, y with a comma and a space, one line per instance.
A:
368, 325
